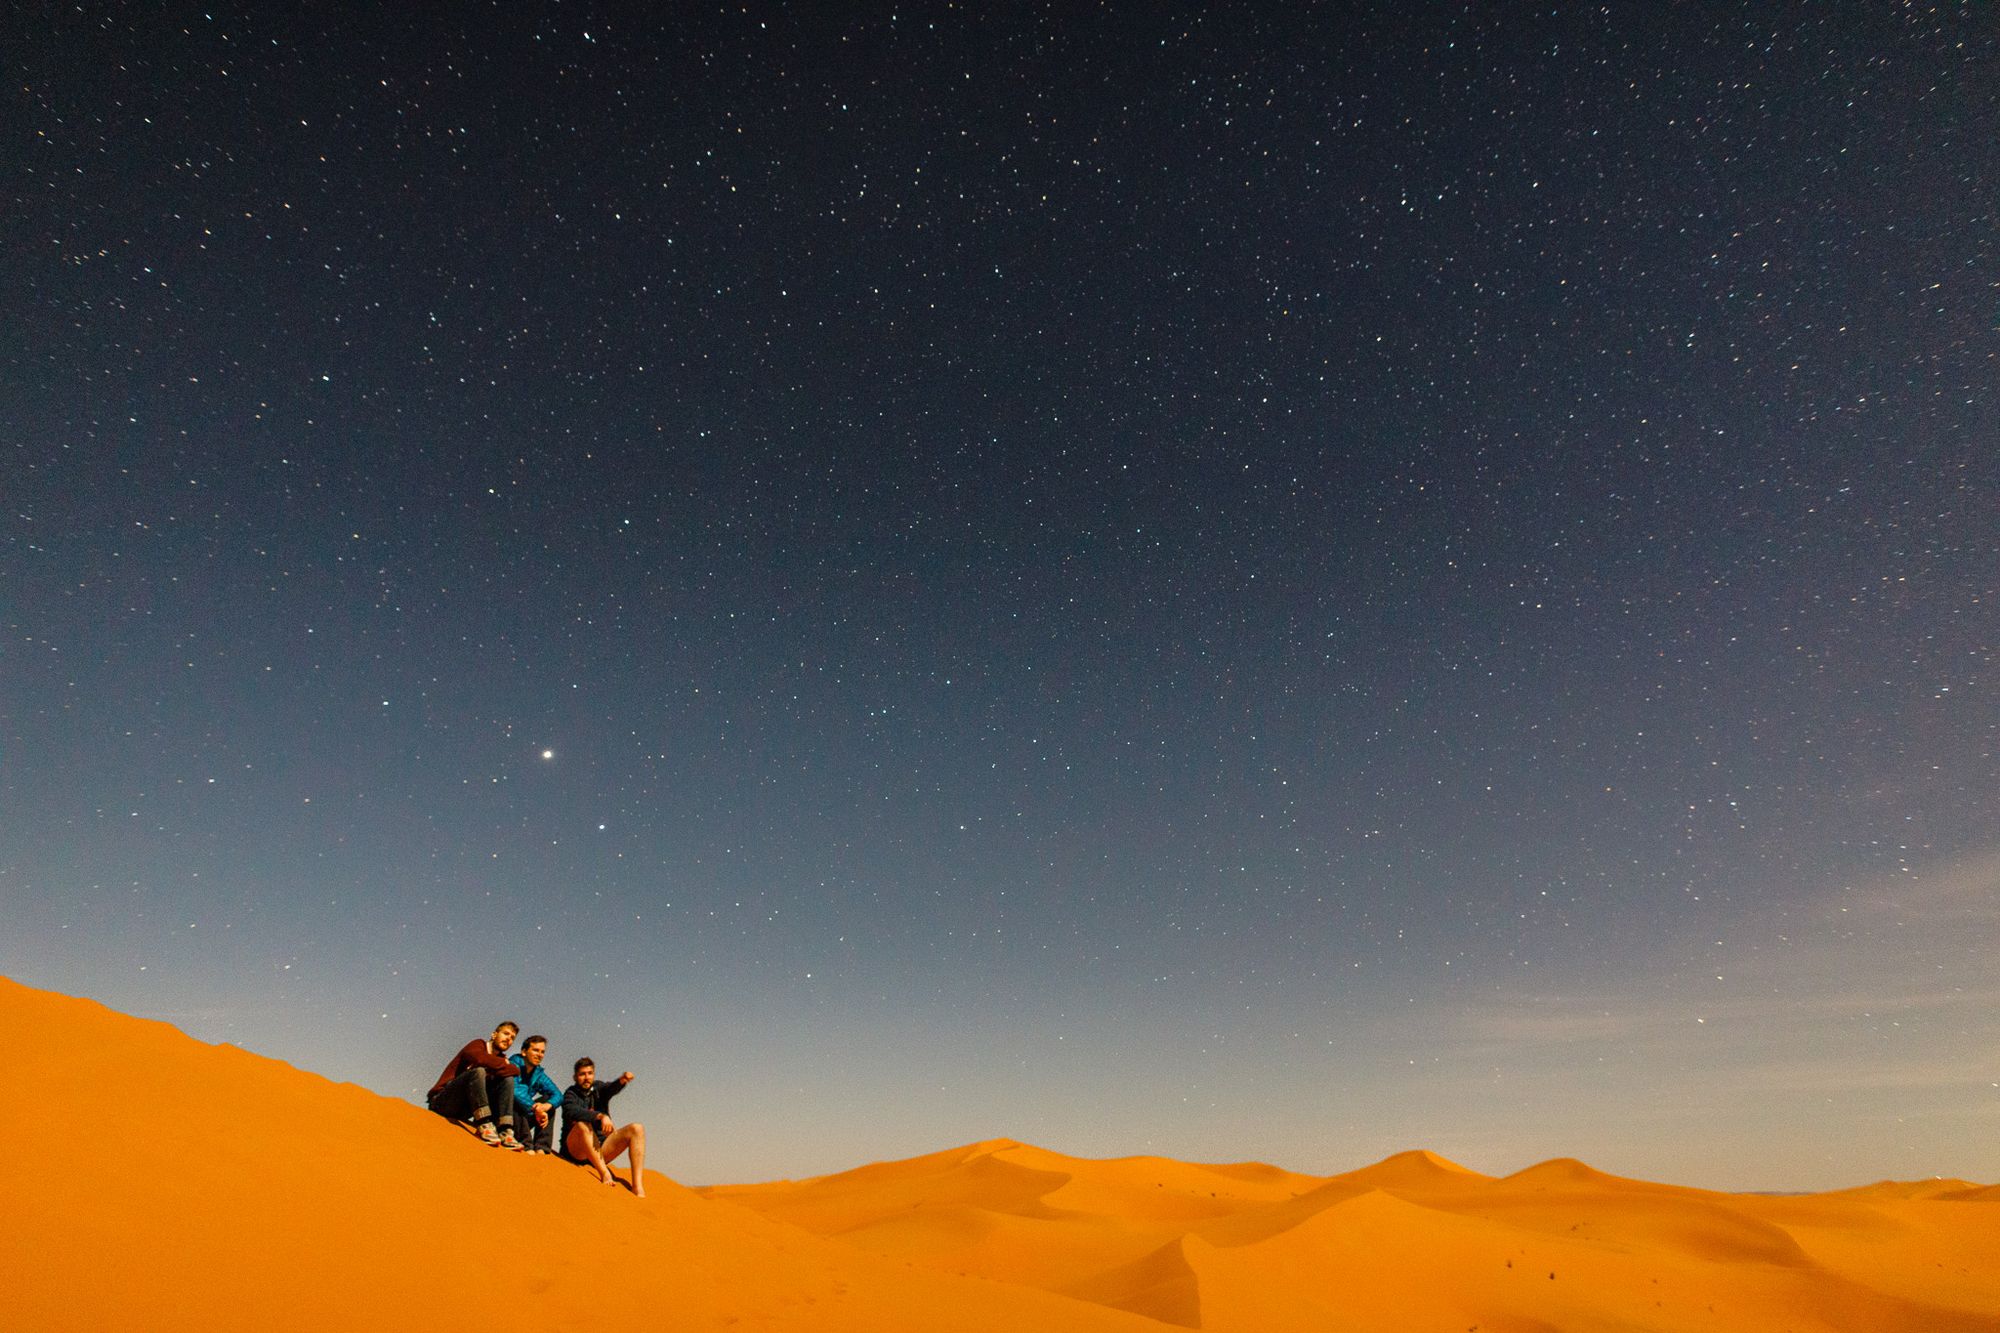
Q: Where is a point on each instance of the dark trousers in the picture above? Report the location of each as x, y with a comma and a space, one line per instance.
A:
477, 1095
539, 1137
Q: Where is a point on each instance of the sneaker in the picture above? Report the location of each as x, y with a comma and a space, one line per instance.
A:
489, 1136
508, 1141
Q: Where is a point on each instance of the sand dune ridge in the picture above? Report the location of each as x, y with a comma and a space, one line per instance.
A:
328, 1205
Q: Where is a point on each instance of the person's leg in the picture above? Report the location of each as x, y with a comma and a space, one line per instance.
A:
447, 1102
501, 1086
472, 1084
460, 1099
474, 1095
630, 1139
525, 1129
542, 1135
582, 1144
638, 1159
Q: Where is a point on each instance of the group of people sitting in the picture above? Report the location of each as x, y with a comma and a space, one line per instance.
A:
492, 1092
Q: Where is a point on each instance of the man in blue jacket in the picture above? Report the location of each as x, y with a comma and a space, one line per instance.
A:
588, 1134
535, 1096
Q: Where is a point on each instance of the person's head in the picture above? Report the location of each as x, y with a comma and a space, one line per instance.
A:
533, 1049
503, 1036
586, 1072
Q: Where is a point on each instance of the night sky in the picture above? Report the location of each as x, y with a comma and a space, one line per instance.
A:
1288, 582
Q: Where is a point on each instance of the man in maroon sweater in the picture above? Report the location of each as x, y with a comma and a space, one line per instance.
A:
478, 1086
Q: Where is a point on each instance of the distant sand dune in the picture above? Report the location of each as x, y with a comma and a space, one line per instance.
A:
237, 1193
1416, 1241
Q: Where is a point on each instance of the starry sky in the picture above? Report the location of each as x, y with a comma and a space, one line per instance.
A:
1280, 582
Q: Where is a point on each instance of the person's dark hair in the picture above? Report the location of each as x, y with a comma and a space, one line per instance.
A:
585, 1060
538, 1037
507, 1023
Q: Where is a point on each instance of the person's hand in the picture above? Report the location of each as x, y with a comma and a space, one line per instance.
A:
625, 1077
541, 1113
604, 1124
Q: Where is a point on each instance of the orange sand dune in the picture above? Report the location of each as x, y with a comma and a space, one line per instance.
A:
1416, 1242
235, 1192
268, 1195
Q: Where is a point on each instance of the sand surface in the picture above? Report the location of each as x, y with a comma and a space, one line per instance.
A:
225, 1190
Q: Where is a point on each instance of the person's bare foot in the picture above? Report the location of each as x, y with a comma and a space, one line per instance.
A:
638, 1190
607, 1178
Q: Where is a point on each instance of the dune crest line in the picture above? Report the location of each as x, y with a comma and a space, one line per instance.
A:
286, 1193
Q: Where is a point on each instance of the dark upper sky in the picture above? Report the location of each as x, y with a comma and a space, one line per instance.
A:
1289, 582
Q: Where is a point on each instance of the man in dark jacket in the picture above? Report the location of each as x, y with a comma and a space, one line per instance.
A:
535, 1096
477, 1087
588, 1134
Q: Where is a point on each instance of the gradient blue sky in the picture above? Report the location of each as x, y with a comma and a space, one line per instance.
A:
1287, 584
